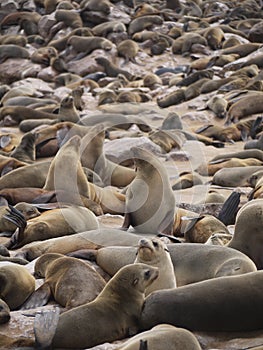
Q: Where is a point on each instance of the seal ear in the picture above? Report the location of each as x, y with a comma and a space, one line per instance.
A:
135, 281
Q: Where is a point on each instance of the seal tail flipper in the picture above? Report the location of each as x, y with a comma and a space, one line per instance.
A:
229, 209
45, 325
38, 298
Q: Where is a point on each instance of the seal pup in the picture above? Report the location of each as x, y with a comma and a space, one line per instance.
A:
163, 336
69, 280
118, 306
181, 307
154, 252
150, 202
17, 284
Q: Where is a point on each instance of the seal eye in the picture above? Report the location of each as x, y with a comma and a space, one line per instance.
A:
155, 244
147, 274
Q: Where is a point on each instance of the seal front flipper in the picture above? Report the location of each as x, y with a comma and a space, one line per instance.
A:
17, 218
229, 209
127, 222
38, 298
45, 327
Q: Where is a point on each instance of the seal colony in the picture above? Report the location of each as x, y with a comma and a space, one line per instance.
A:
121, 122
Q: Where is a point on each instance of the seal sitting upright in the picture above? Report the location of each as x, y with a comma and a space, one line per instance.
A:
150, 202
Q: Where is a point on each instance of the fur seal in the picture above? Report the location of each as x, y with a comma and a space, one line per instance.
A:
12, 51
182, 306
67, 162
151, 211
245, 107
19, 113
128, 49
93, 157
69, 18
163, 336
187, 258
68, 110
119, 305
214, 36
235, 176
4, 312
249, 220
111, 69
154, 252
17, 284
105, 28
89, 43
198, 230
32, 175
52, 223
25, 151
145, 22
70, 281
215, 165
43, 55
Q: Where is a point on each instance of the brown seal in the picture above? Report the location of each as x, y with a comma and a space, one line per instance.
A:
215, 165
69, 18
93, 157
233, 177
199, 230
103, 29
128, 49
154, 252
52, 223
151, 211
187, 260
19, 113
67, 162
111, 69
89, 43
4, 312
140, 23
25, 151
249, 220
182, 306
118, 306
32, 175
17, 284
245, 107
162, 336
43, 55
214, 36
12, 51
70, 281
68, 110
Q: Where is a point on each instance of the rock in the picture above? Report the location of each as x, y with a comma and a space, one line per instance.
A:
45, 24
118, 150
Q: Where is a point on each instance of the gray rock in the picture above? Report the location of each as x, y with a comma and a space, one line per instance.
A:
120, 150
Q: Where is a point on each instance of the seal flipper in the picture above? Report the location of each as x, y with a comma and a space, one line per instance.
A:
126, 223
87, 254
38, 298
229, 209
45, 325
